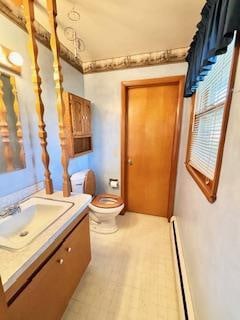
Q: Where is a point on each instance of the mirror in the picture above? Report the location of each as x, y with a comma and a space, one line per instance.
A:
11, 141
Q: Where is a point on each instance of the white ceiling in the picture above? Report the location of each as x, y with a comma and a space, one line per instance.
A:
115, 28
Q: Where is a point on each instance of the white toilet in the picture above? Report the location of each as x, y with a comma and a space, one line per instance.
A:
104, 208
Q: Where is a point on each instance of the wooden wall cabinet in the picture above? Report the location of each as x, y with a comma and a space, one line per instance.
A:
77, 124
49, 288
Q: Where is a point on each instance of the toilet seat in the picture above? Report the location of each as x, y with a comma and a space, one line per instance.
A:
104, 208
107, 200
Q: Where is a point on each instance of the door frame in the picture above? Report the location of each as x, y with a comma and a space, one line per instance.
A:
125, 85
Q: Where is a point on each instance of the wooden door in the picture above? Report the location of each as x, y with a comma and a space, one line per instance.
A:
87, 118
78, 255
151, 155
45, 296
77, 113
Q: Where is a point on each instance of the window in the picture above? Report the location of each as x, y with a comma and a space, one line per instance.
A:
211, 105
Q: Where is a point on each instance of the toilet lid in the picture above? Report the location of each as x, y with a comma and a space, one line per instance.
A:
89, 186
107, 201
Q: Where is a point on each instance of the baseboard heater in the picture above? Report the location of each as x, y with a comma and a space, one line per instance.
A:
184, 297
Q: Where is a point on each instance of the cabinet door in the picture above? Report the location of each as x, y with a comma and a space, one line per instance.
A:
47, 295
77, 248
87, 117
77, 114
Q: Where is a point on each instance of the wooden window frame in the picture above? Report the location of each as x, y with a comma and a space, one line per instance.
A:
209, 187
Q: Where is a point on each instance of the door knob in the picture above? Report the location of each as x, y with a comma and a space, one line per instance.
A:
130, 162
60, 261
69, 249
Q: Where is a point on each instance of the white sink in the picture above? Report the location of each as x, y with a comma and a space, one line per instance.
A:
37, 214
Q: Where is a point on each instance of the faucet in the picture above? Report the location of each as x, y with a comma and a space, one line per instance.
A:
9, 211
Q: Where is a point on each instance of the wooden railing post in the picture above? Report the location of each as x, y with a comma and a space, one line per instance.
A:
18, 121
54, 42
36, 79
4, 132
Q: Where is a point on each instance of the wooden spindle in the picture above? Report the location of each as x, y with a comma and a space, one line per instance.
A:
58, 78
36, 79
4, 132
18, 122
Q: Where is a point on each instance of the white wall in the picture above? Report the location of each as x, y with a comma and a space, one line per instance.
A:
104, 90
211, 232
14, 38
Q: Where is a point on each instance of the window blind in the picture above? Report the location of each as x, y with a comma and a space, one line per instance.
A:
208, 115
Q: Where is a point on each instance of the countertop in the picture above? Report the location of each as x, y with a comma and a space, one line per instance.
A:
14, 263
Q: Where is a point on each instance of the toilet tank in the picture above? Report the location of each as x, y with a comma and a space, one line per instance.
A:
83, 182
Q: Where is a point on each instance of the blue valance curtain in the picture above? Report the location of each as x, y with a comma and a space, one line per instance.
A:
220, 18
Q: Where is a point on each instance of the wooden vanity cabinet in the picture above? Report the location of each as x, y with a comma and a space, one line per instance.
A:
3, 305
77, 124
49, 290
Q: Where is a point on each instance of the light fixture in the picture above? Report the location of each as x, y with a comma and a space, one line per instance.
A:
78, 43
74, 15
79, 46
10, 60
71, 34
15, 58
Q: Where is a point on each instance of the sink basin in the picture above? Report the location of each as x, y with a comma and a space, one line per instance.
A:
37, 214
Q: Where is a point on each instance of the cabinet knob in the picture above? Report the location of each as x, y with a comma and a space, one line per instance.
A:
69, 249
60, 261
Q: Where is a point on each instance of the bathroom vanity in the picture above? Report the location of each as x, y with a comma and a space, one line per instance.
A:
39, 280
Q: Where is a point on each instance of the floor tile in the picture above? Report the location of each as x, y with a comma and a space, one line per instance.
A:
131, 275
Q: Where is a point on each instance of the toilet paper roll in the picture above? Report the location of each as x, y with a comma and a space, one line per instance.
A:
114, 184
